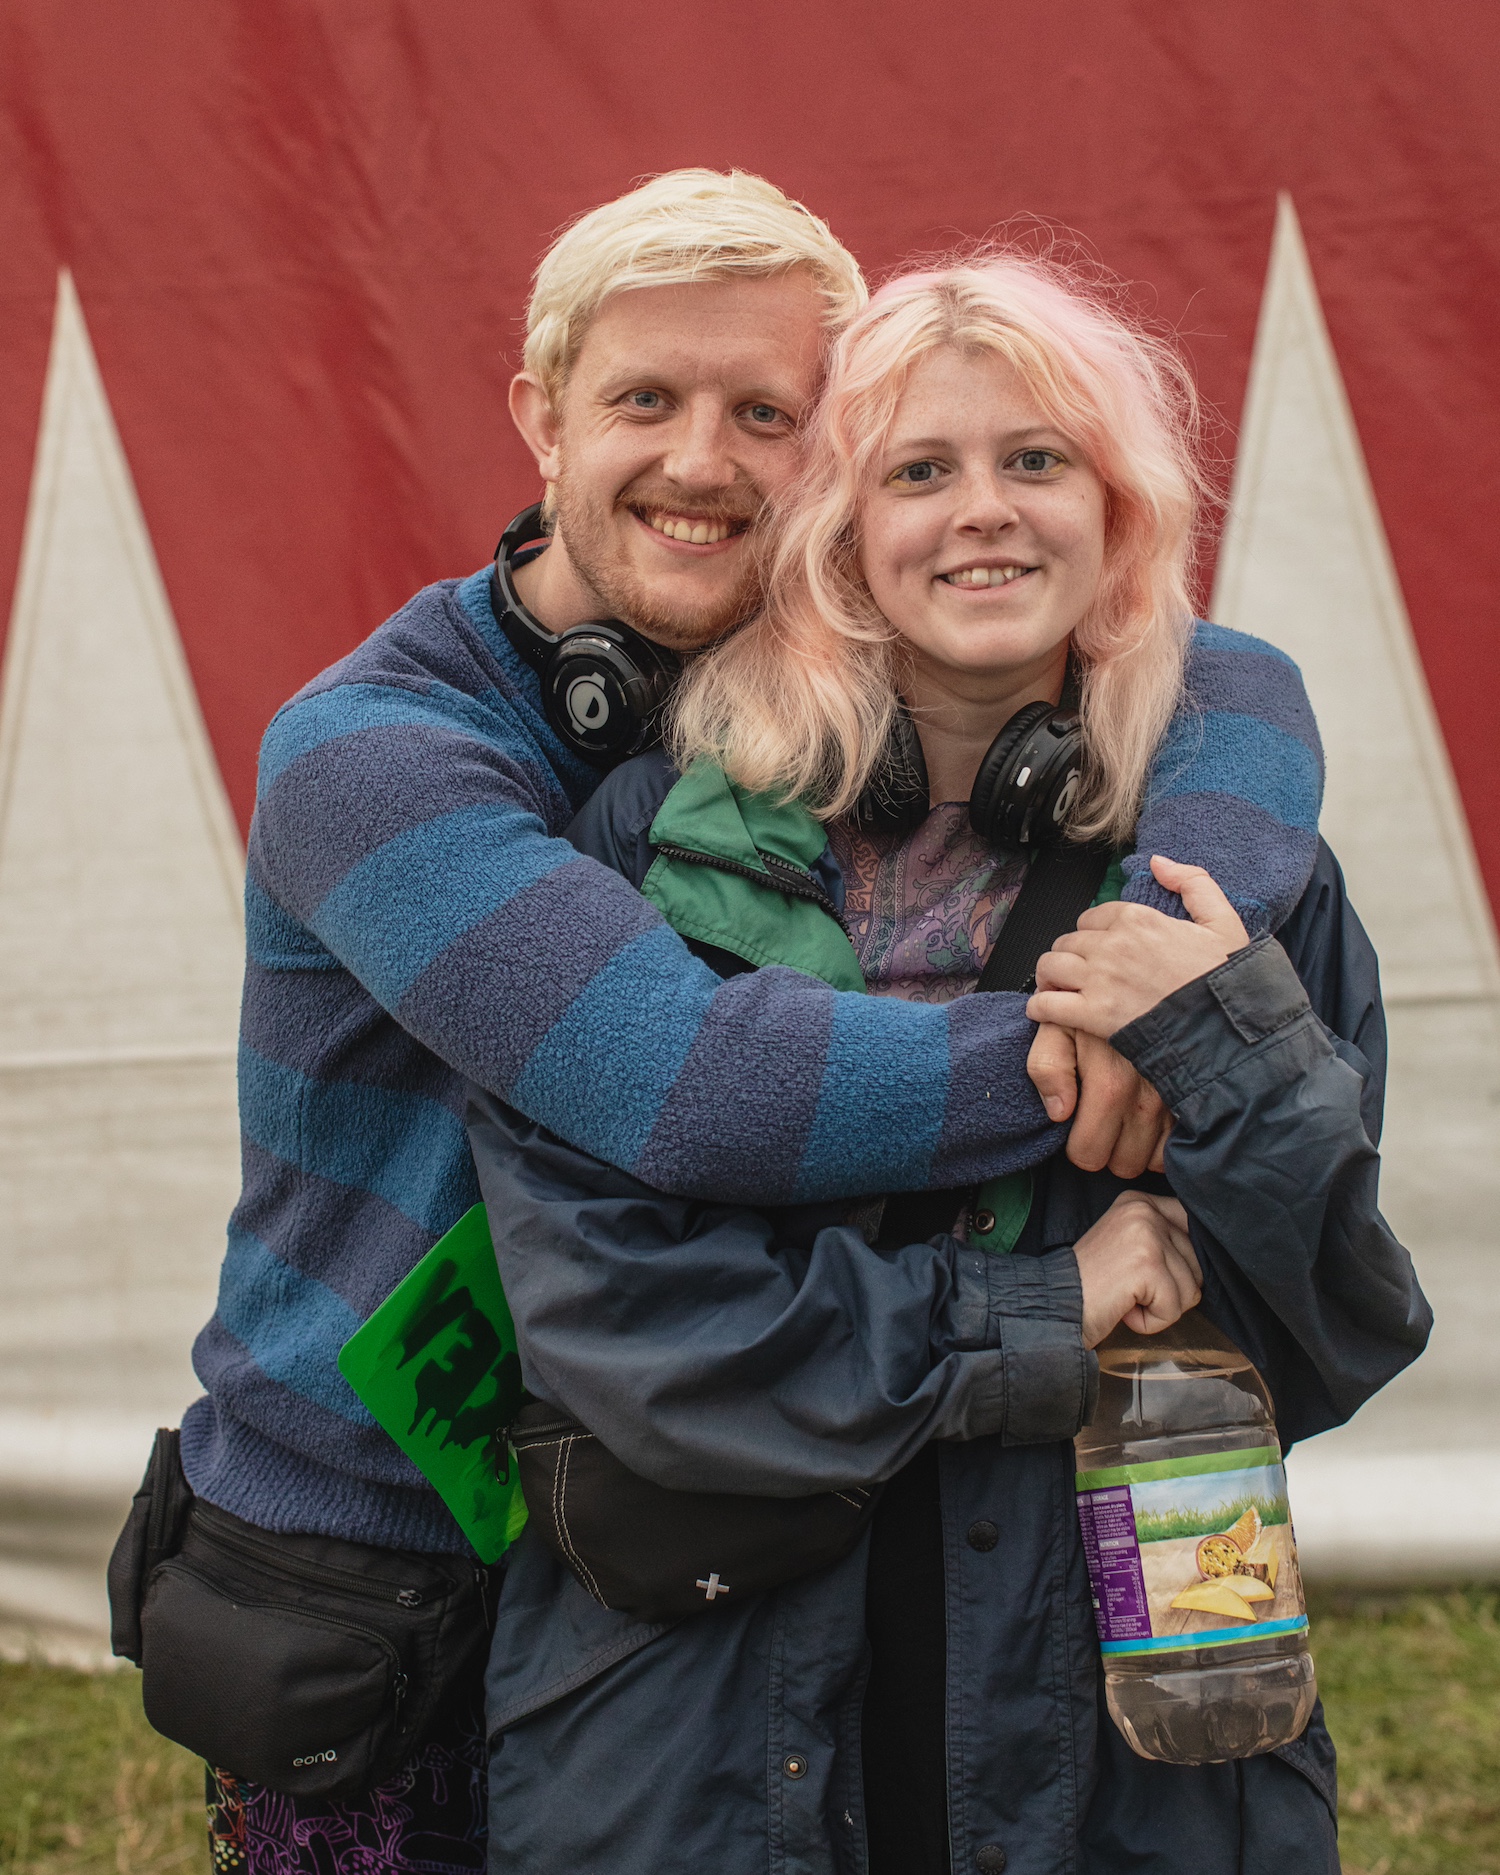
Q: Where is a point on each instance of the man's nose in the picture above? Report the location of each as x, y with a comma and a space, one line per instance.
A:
699, 454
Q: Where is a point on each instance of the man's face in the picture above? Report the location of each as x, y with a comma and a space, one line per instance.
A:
679, 419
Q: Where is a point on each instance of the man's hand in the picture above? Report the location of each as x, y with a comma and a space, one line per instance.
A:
1123, 959
1121, 1122
1137, 1266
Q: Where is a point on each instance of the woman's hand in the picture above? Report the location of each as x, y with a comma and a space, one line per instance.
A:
1123, 959
1121, 1121
1136, 1265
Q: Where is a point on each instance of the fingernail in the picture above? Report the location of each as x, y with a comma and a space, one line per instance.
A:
1056, 1106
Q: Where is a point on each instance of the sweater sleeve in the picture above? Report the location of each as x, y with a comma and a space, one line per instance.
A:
1237, 782
408, 834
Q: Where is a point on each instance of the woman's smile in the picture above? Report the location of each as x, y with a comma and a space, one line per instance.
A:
981, 578
983, 539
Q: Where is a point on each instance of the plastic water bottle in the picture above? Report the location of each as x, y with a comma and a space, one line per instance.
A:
1198, 1598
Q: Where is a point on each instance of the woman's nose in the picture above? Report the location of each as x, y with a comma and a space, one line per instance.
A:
985, 505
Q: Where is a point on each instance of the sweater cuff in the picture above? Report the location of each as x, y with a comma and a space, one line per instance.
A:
1199, 1032
1141, 888
1040, 1383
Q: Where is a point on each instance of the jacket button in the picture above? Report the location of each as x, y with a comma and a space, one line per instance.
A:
795, 1765
990, 1860
984, 1536
984, 1222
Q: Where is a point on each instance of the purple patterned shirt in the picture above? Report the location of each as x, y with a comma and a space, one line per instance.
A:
924, 908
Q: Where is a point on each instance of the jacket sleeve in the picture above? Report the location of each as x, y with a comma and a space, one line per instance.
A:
1274, 1155
708, 1355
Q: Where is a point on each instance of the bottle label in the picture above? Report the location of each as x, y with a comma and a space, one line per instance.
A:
1191, 1552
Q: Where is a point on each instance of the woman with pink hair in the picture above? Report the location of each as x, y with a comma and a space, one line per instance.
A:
977, 674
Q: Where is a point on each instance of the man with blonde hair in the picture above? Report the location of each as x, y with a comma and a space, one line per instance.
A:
414, 921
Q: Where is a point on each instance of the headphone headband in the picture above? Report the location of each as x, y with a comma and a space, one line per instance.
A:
603, 685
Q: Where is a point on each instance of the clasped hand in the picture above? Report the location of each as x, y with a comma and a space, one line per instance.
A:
1121, 961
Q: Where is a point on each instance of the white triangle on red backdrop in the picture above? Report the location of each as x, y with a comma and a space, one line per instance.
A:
121, 955
1305, 563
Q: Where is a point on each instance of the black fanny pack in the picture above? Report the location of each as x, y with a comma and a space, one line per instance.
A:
311, 1664
659, 1554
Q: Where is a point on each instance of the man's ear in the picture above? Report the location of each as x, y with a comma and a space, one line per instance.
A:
533, 415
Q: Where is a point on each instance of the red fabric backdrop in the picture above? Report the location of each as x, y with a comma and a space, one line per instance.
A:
302, 230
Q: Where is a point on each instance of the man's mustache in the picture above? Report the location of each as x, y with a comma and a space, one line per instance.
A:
743, 511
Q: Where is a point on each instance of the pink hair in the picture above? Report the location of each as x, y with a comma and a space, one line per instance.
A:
799, 703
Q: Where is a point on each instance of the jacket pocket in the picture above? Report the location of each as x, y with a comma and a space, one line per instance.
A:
278, 1694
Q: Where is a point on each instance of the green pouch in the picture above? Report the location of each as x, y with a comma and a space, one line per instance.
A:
437, 1366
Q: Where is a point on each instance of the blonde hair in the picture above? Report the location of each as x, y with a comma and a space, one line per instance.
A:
684, 226
800, 702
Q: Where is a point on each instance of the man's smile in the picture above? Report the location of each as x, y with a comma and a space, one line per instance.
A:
691, 530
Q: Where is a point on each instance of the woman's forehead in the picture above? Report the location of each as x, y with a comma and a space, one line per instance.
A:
969, 389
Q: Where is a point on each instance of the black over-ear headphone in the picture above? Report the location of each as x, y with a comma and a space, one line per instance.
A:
1023, 793
603, 685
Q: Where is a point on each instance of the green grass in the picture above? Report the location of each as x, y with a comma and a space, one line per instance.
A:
1158, 1526
1411, 1683
1412, 1688
86, 1785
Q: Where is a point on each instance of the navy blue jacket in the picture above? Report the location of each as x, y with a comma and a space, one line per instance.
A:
712, 1347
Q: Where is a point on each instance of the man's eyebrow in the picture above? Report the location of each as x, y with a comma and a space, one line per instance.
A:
648, 377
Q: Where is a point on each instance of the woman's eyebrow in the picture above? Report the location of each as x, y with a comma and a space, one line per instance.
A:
1015, 439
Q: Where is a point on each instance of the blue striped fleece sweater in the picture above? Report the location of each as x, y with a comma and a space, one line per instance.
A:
413, 920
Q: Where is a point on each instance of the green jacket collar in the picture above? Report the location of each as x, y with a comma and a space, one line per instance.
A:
733, 831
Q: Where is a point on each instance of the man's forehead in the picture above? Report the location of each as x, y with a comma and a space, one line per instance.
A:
757, 328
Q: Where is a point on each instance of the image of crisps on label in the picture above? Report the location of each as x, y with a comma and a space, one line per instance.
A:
1264, 1560
1215, 1598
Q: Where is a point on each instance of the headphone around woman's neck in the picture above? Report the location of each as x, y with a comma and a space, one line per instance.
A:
1023, 794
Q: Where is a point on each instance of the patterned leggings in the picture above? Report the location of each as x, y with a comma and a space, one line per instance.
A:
429, 1819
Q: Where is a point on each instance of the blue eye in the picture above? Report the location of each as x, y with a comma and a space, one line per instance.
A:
645, 400
764, 413
916, 474
1038, 461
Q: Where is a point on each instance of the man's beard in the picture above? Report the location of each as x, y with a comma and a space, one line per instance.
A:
595, 556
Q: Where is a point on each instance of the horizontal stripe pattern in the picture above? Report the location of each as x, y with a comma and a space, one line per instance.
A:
291, 1326
414, 920
1243, 759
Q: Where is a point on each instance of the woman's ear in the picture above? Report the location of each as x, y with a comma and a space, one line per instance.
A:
533, 413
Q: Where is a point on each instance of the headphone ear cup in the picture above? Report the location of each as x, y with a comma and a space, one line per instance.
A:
897, 797
1029, 779
603, 687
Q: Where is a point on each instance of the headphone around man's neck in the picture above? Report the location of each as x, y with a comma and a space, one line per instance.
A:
603, 685
1023, 794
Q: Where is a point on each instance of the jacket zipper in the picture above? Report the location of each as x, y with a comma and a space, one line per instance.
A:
314, 1574
783, 875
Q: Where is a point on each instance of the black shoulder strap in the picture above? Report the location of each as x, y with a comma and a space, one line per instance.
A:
1060, 886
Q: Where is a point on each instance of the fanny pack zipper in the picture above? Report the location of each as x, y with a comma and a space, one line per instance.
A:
236, 1543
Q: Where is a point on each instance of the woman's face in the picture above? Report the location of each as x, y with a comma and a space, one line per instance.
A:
983, 538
